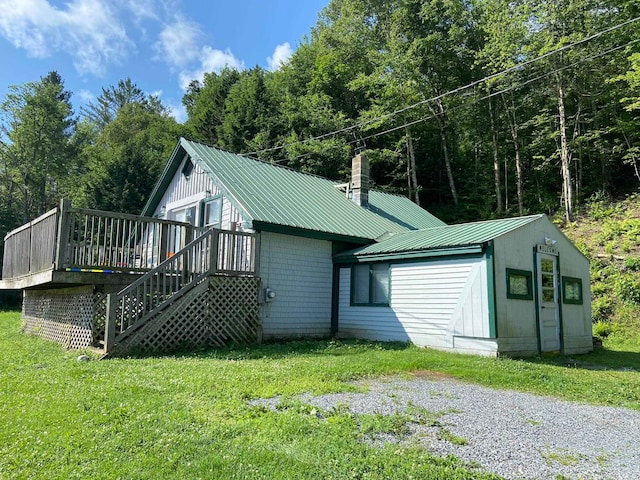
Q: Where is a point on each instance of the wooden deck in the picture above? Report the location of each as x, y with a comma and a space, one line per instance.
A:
127, 283
75, 246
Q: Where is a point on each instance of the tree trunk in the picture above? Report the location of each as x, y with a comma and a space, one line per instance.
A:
513, 128
442, 124
411, 169
496, 162
565, 154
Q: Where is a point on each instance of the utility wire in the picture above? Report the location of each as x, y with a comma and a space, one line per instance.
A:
505, 90
451, 92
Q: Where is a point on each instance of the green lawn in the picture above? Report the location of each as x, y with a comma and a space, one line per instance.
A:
188, 416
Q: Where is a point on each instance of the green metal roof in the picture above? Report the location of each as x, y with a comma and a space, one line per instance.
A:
268, 194
447, 238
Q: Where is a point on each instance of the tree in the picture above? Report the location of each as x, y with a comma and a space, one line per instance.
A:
205, 104
37, 151
127, 159
106, 107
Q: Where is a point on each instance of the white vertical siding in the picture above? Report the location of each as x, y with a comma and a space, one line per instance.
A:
299, 271
432, 304
517, 328
182, 192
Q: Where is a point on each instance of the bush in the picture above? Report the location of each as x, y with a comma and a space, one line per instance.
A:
632, 263
627, 288
601, 309
603, 329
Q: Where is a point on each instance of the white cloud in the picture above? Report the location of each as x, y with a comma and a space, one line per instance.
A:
178, 112
87, 30
141, 9
85, 96
178, 43
211, 60
280, 56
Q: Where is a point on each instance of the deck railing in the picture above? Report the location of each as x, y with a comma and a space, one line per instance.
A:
31, 248
215, 251
78, 239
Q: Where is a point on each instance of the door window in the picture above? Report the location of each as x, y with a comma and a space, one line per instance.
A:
548, 280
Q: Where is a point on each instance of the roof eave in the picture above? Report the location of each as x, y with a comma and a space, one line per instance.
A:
308, 233
349, 258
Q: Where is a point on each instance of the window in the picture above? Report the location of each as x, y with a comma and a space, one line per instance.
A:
370, 284
212, 212
187, 168
572, 290
519, 284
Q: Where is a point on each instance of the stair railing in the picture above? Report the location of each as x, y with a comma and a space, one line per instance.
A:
132, 306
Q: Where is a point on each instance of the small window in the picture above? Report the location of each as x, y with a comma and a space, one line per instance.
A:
187, 168
212, 212
519, 284
572, 290
370, 284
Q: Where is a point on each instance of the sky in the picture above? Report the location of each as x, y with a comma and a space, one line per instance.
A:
160, 44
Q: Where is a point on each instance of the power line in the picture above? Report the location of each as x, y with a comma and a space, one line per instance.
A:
450, 92
505, 90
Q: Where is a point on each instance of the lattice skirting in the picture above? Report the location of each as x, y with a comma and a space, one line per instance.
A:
64, 316
219, 311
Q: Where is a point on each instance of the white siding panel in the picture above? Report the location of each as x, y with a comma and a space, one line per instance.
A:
431, 302
299, 271
192, 191
517, 330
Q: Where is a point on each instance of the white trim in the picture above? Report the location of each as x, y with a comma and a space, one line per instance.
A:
183, 203
186, 202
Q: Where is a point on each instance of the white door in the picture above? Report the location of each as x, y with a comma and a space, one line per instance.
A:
548, 303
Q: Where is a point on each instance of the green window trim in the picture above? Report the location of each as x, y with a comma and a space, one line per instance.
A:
370, 285
515, 278
572, 290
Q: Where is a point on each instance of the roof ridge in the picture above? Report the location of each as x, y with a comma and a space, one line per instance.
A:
277, 165
286, 167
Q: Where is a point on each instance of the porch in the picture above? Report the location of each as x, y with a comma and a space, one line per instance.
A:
124, 283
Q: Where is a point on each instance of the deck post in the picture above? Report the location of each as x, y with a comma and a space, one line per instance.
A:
110, 322
163, 244
213, 251
60, 255
256, 254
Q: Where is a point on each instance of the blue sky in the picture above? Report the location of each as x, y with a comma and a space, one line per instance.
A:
160, 44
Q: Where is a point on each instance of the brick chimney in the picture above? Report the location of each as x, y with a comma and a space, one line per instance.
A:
360, 180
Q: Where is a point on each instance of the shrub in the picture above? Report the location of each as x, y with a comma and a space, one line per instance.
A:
632, 263
627, 288
601, 308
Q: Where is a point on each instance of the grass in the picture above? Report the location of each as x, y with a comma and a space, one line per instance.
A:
190, 417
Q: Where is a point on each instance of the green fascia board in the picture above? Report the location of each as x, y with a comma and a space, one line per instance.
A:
443, 237
185, 147
164, 181
301, 232
406, 256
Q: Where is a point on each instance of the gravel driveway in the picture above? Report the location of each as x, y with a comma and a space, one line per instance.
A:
516, 435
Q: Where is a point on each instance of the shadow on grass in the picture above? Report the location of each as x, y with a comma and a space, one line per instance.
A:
283, 349
600, 359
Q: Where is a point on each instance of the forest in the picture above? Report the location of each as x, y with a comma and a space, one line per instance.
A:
474, 109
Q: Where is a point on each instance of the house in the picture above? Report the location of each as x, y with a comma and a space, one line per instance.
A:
275, 253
